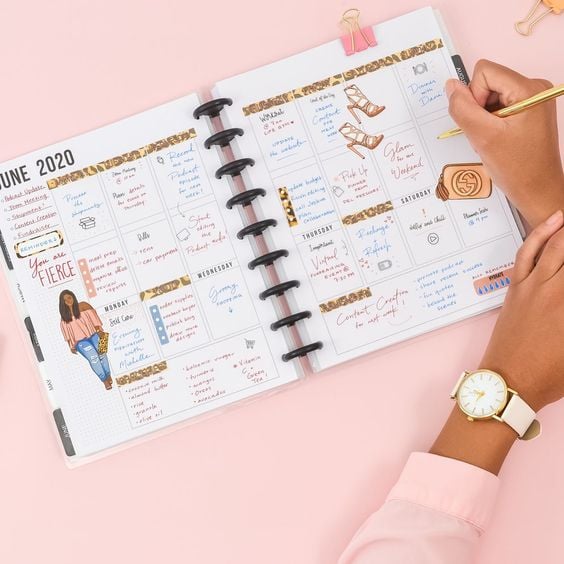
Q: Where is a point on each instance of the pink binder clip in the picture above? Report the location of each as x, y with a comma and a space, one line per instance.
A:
357, 39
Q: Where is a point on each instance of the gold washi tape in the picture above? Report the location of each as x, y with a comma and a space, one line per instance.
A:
128, 157
367, 213
288, 207
165, 288
350, 74
345, 300
142, 373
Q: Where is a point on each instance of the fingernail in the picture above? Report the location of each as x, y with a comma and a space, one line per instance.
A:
450, 86
554, 218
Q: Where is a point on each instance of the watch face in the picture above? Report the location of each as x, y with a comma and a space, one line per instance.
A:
482, 394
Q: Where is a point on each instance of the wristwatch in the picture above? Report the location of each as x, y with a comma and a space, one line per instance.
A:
483, 394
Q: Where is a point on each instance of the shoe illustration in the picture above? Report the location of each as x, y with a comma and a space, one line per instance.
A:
358, 101
357, 137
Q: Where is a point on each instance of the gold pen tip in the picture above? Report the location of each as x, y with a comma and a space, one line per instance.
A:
450, 133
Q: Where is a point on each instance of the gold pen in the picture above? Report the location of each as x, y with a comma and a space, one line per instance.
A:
539, 98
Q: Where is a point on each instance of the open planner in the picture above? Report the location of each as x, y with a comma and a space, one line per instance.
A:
193, 255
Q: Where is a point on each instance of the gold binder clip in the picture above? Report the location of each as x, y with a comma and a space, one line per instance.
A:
553, 7
351, 20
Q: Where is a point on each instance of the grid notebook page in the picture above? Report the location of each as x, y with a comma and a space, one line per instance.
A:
143, 309
347, 148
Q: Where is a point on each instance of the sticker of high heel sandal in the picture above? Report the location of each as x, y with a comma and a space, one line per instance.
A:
355, 136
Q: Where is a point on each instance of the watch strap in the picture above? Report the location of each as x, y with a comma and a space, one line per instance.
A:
518, 415
457, 385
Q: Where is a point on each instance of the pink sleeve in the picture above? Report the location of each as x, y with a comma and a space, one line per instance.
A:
93, 316
433, 515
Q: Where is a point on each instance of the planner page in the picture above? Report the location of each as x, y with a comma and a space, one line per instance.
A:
347, 148
123, 253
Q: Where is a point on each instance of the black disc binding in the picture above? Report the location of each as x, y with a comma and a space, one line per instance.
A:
233, 168
245, 198
268, 258
302, 351
223, 138
256, 228
290, 320
279, 289
212, 108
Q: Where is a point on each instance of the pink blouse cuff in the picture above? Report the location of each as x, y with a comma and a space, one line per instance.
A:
447, 485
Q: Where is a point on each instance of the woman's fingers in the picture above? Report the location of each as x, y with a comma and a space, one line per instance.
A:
533, 245
467, 112
490, 77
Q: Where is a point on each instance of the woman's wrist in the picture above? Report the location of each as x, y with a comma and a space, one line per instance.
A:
537, 203
485, 444
518, 379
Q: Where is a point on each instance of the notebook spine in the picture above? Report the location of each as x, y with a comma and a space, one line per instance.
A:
245, 198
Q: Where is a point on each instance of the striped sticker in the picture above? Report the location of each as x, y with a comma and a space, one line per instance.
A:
493, 282
159, 324
87, 277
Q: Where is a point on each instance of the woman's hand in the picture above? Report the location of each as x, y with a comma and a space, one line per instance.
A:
526, 349
521, 152
73, 350
527, 345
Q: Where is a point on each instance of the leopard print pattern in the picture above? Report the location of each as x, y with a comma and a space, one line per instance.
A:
103, 342
337, 79
165, 288
288, 206
367, 213
318, 86
142, 373
113, 162
348, 299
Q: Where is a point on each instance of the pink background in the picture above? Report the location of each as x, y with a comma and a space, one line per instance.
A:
287, 479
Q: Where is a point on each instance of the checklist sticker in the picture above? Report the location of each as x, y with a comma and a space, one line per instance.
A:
159, 324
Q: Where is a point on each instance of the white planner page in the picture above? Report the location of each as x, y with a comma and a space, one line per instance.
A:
379, 256
128, 224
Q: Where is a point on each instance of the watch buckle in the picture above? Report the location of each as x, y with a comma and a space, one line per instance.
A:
533, 431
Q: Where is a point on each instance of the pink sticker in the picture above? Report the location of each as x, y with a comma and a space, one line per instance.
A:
87, 277
493, 282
